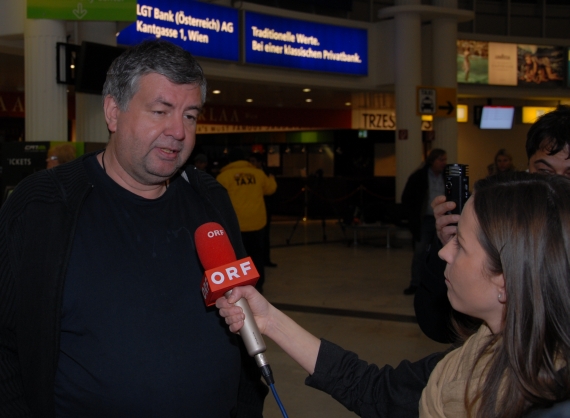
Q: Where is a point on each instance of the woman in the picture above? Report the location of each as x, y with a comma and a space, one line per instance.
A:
509, 266
503, 163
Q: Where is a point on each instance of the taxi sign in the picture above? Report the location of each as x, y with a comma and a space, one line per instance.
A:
437, 101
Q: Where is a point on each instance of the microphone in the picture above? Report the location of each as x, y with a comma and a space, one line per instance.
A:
222, 273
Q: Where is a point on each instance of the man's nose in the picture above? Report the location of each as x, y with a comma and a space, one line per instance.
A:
175, 128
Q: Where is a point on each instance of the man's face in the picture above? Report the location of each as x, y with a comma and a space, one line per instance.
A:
155, 135
439, 164
543, 163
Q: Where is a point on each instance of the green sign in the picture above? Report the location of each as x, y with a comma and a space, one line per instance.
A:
110, 10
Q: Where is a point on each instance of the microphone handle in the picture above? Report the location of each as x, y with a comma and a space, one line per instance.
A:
250, 332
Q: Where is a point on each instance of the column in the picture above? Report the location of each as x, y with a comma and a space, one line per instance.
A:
46, 101
90, 125
444, 70
407, 78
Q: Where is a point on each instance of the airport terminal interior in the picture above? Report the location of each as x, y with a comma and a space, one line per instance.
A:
340, 141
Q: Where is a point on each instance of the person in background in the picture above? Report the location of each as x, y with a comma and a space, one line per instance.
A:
60, 154
256, 159
247, 187
201, 162
422, 186
101, 313
548, 152
503, 163
508, 268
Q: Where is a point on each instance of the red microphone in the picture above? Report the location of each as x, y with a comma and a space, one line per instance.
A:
222, 273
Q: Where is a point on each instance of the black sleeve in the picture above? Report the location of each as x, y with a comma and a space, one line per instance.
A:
431, 305
368, 390
12, 399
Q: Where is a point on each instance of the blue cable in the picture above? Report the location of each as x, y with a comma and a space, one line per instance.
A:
281, 407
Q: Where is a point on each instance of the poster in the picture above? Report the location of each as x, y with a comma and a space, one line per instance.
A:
502, 64
472, 62
541, 65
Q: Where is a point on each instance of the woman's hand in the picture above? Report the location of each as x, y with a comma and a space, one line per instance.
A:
234, 315
445, 225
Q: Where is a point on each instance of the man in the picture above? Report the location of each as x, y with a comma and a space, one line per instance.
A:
247, 186
201, 162
256, 159
548, 152
101, 314
421, 188
60, 154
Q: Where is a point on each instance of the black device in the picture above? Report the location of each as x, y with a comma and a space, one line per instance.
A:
457, 186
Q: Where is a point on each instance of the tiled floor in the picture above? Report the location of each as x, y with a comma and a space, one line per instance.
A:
331, 281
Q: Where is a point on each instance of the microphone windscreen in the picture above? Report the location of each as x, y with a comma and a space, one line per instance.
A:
213, 245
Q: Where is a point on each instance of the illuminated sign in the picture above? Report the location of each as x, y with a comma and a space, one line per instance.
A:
462, 113
120, 10
531, 113
290, 43
204, 29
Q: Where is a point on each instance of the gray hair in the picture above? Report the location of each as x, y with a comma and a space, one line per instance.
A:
155, 56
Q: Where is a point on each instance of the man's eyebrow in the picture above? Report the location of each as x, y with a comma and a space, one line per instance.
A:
194, 107
160, 100
164, 102
543, 162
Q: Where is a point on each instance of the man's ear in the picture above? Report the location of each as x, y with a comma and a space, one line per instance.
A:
111, 110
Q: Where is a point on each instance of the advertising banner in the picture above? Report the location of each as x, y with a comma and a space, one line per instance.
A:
502, 64
302, 45
506, 64
205, 30
120, 10
472, 62
541, 65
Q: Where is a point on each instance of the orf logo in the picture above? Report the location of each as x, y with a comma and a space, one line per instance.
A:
215, 233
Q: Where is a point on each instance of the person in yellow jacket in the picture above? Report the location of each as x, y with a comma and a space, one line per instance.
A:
247, 186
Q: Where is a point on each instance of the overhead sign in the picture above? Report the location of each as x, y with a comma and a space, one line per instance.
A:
204, 29
437, 101
116, 10
303, 45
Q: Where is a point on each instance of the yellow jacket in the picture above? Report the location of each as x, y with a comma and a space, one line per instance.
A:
246, 186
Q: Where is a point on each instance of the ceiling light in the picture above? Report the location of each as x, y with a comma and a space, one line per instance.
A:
216, 91
306, 90
72, 66
308, 100
347, 104
249, 100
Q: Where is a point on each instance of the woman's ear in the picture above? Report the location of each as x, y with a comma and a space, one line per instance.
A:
499, 282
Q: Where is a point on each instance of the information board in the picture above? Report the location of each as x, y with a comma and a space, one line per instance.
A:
204, 29
298, 44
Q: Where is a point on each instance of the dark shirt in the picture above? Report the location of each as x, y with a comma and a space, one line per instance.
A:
136, 338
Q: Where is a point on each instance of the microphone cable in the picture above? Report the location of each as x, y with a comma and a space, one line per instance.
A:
268, 376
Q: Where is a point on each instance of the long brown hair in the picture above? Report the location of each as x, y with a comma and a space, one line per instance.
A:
524, 228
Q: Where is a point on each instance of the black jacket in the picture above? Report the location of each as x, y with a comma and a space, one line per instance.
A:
415, 200
37, 226
368, 390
